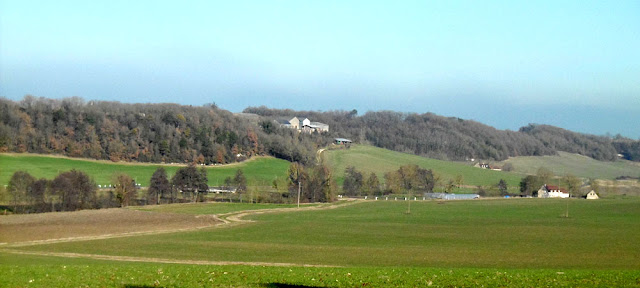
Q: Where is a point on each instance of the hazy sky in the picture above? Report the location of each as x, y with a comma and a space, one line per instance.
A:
504, 63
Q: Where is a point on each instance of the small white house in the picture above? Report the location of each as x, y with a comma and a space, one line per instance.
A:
592, 195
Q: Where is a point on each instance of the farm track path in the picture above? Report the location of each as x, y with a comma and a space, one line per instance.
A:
231, 219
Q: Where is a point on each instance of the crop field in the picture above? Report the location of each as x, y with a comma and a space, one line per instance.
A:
496, 242
369, 159
575, 164
259, 171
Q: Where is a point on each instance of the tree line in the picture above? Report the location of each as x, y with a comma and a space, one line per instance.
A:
75, 190
450, 138
407, 179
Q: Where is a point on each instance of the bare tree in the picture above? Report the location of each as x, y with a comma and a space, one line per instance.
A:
124, 188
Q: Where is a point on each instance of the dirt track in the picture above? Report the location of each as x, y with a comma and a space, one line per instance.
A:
210, 221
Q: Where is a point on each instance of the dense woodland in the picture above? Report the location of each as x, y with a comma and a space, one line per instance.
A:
450, 138
144, 132
210, 135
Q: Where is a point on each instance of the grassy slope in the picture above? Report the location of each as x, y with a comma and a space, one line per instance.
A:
575, 164
369, 159
489, 234
259, 171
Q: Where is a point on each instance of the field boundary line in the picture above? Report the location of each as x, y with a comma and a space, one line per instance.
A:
159, 260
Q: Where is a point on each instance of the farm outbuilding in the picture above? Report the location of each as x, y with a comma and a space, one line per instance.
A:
592, 195
342, 141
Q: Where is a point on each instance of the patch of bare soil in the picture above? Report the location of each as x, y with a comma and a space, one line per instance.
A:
90, 223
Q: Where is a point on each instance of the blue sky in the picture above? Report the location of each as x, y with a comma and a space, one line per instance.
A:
572, 64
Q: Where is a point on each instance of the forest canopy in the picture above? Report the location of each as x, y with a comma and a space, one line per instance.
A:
144, 132
450, 138
210, 135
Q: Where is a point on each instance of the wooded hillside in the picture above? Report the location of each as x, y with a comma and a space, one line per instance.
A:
144, 132
451, 138
208, 134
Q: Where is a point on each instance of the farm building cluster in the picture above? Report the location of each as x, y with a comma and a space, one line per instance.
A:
487, 166
549, 191
303, 126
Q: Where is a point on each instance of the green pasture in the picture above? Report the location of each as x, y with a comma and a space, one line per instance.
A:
260, 171
37, 271
488, 234
369, 159
578, 165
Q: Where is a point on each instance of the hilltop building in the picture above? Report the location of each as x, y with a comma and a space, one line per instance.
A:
303, 126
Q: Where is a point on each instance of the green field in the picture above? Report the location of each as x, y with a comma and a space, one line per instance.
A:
36, 271
502, 242
515, 233
578, 165
260, 171
369, 159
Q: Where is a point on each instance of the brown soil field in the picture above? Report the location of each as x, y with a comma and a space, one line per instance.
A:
85, 224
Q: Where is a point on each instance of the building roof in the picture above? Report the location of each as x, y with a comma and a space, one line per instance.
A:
342, 140
551, 187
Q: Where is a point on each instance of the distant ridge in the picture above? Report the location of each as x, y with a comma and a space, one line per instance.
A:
172, 133
450, 138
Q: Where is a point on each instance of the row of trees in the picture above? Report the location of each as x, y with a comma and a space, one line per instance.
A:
75, 190
145, 132
451, 138
408, 178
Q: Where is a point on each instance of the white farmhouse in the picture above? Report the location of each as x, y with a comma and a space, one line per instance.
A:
548, 191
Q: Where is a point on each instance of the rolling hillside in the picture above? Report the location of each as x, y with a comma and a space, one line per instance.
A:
578, 165
369, 159
259, 170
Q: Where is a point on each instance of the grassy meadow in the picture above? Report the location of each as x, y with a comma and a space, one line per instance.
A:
578, 165
514, 233
259, 171
369, 159
499, 242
